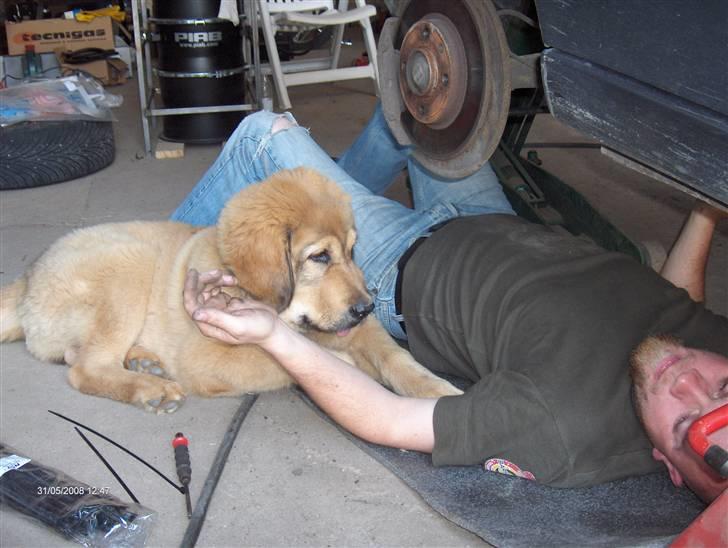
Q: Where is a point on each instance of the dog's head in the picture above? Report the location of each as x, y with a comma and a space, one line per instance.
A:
289, 242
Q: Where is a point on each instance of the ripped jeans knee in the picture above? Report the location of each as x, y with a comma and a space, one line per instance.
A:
248, 157
258, 128
283, 121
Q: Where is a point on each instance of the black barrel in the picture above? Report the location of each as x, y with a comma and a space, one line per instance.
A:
199, 64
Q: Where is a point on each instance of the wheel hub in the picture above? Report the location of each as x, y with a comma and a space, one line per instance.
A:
433, 71
445, 82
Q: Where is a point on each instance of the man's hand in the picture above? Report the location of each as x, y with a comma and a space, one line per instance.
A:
204, 290
686, 262
225, 318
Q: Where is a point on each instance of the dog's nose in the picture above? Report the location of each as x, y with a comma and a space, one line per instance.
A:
361, 310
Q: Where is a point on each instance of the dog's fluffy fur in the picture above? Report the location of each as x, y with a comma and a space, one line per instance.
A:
107, 299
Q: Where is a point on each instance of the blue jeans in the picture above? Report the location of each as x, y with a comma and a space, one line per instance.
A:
385, 227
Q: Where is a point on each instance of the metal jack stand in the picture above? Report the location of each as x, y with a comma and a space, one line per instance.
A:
148, 93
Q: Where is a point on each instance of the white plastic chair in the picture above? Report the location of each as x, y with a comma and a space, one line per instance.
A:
296, 15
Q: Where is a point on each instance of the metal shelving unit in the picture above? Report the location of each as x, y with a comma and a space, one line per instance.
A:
149, 94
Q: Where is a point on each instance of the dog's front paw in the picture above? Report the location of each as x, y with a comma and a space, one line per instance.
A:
436, 388
166, 398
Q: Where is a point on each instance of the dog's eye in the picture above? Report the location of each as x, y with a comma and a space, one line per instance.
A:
323, 257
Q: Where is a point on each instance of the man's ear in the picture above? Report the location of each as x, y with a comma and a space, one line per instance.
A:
675, 476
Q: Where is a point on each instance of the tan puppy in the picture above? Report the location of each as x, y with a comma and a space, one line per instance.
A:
107, 299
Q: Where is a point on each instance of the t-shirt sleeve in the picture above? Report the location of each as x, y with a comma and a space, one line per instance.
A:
501, 416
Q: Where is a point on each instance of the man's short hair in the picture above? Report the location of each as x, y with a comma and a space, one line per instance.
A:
639, 373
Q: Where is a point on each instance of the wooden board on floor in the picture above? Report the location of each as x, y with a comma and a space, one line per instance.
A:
165, 150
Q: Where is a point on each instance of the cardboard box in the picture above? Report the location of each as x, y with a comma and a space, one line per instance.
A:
47, 35
111, 72
128, 55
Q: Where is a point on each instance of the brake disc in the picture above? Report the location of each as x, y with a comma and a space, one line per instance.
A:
450, 61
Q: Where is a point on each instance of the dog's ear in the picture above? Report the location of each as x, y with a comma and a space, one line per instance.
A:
257, 249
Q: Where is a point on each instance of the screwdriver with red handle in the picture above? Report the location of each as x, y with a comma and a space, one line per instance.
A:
184, 469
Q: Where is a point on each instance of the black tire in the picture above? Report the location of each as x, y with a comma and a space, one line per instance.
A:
43, 153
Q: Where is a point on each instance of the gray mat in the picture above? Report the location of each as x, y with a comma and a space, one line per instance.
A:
507, 511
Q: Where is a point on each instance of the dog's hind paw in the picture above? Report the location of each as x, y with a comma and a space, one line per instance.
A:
146, 366
169, 400
141, 360
156, 406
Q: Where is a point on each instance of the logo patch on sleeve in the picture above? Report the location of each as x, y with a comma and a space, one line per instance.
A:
503, 466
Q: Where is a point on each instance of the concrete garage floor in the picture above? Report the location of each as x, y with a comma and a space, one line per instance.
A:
291, 479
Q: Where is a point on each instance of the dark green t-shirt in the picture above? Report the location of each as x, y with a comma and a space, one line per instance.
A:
543, 324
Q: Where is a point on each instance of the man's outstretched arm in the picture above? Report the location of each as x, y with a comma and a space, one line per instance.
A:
346, 394
685, 264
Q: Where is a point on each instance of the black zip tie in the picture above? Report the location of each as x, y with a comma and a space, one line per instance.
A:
111, 469
179, 488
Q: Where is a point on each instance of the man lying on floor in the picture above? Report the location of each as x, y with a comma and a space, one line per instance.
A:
543, 324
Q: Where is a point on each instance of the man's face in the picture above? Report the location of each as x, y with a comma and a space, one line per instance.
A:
678, 386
